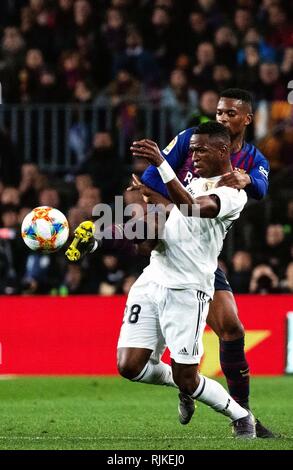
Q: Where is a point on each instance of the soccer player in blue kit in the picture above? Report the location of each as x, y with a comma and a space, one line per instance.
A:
251, 171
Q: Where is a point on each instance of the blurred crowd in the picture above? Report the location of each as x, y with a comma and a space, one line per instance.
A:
83, 50
26, 272
118, 53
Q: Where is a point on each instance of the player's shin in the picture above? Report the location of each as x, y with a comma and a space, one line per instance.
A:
236, 369
214, 395
156, 374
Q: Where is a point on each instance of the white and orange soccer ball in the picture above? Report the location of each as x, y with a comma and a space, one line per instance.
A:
45, 229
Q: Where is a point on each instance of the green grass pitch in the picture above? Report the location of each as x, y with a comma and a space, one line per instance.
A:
112, 413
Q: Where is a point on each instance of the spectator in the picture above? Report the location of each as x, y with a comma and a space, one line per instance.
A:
48, 88
280, 29
9, 216
263, 280
72, 69
249, 70
75, 216
162, 39
242, 21
10, 196
180, 99
29, 76
111, 275
275, 250
222, 77
226, 46
12, 52
197, 31
266, 52
103, 166
203, 70
213, 9
30, 183
241, 272
38, 278
122, 90
124, 93
270, 85
89, 198
64, 38
113, 31
12, 44
138, 61
207, 108
85, 21
49, 197
76, 281
36, 26
82, 182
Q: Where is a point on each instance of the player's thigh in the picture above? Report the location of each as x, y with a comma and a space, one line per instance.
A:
223, 316
183, 320
140, 328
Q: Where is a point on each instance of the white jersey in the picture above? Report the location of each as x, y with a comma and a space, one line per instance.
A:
187, 255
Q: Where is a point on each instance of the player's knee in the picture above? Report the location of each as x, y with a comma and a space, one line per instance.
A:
231, 330
129, 369
225, 322
185, 377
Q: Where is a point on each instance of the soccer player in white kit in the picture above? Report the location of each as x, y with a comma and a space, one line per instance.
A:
168, 304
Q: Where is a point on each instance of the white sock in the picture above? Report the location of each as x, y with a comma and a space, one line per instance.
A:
157, 374
214, 395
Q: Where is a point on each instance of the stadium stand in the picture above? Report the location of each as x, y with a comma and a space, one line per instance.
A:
81, 79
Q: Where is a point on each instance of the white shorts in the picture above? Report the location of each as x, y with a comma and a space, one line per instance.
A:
156, 316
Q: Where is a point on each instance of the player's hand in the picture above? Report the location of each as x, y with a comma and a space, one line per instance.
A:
234, 179
147, 149
142, 188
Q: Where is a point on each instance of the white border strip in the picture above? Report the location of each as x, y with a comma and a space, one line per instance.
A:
289, 345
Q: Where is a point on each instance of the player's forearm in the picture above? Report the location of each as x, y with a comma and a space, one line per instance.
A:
179, 195
176, 190
202, 206
157, 198
257, 189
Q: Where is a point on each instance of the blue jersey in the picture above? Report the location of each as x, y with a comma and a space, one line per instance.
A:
177, 153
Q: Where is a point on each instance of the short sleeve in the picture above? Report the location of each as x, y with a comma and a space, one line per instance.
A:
232, 201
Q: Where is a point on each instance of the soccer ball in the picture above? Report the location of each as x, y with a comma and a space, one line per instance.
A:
45, 229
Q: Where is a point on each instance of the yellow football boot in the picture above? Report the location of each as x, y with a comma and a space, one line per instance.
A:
83, 242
